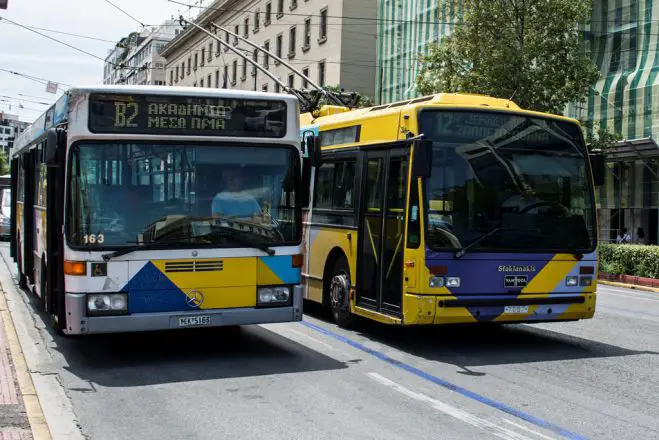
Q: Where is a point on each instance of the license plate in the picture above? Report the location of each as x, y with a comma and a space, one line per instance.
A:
194, 321
516, 309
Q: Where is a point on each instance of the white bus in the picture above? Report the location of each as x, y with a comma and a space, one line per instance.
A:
149, 208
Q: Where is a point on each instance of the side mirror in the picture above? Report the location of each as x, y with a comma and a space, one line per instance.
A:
52, 145
305, 183
598, 167
311, 148
422, 160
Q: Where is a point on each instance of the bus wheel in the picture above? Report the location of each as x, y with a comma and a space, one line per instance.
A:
339, 294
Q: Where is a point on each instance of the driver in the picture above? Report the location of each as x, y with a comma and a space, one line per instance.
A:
234, 200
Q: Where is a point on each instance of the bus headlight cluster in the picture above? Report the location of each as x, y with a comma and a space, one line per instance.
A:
449, 282
578, 281
107, 304
271, 296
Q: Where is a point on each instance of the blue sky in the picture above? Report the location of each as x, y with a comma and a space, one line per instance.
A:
25, 52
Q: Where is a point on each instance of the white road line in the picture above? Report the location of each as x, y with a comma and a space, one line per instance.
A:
632, 293
486, 425
311, 338
528, 429
624, 295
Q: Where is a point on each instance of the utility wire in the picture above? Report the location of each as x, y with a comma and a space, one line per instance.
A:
33, 78
67, 33
52, 38
27, 100
125, 13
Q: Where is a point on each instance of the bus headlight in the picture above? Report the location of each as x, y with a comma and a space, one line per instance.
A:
572, 281
453, 282
107, 304
271, 296
436, 282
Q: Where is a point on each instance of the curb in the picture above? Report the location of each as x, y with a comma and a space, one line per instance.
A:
35, 415
627, 286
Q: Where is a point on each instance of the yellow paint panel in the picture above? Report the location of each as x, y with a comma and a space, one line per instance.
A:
236, 272
453, 315
265, 275
375, 316
325, 240
314, 290
228, 297
418, 309
550, 276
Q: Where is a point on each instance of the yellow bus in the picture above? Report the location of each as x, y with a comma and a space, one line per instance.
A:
451, 209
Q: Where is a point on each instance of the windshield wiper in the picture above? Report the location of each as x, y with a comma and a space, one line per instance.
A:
462, 252
238, 236
143, 247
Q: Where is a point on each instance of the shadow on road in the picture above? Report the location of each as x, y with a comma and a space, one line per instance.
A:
140, 359
481, 345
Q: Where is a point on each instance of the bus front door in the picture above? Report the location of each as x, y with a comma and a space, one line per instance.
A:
382, 228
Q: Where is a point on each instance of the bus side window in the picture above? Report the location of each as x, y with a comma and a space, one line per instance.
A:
414, 217
324, 182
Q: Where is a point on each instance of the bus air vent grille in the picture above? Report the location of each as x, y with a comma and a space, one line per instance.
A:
194, 266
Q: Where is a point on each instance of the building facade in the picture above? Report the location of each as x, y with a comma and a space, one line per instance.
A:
331, 42
405, 29
10, 127
137, 60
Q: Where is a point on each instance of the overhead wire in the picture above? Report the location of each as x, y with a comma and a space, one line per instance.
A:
33, 78
125, 13
65, 33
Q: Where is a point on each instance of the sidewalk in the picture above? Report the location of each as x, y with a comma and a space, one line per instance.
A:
21, 417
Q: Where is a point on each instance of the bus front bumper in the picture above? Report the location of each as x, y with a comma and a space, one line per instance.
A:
78, 323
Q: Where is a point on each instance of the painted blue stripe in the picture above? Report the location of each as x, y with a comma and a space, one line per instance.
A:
448, 385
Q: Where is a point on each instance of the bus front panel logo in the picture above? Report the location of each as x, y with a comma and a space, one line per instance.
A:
194, 299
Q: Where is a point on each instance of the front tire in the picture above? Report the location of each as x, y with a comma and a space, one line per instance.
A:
339, 294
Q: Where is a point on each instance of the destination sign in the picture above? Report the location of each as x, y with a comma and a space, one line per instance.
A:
467, 127
184, 115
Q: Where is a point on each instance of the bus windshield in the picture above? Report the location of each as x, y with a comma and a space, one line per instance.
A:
503, 182
124, 194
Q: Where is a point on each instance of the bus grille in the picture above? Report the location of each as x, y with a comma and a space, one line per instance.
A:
194, 266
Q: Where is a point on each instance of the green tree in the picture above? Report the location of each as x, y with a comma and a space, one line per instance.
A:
601, 139
529, 50
4, 164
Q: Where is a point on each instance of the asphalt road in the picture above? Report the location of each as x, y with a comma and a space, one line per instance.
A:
312, 380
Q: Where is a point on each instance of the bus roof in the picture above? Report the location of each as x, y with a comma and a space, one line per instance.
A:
331, 115
58, 113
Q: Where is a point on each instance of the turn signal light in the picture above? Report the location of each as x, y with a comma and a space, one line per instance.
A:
75, 268
297, 260
439, 270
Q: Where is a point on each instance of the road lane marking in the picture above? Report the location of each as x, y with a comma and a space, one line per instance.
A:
624, 295
635, 313
311, 338
628, 296
486, 425
528, 429
446, 384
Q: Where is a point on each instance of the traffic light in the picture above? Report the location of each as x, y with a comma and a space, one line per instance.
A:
3, 4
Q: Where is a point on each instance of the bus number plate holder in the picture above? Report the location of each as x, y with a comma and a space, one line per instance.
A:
516, 309
194, 321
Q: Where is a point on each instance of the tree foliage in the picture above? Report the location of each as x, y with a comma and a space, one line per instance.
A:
529, 49
4, 164
601, 139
